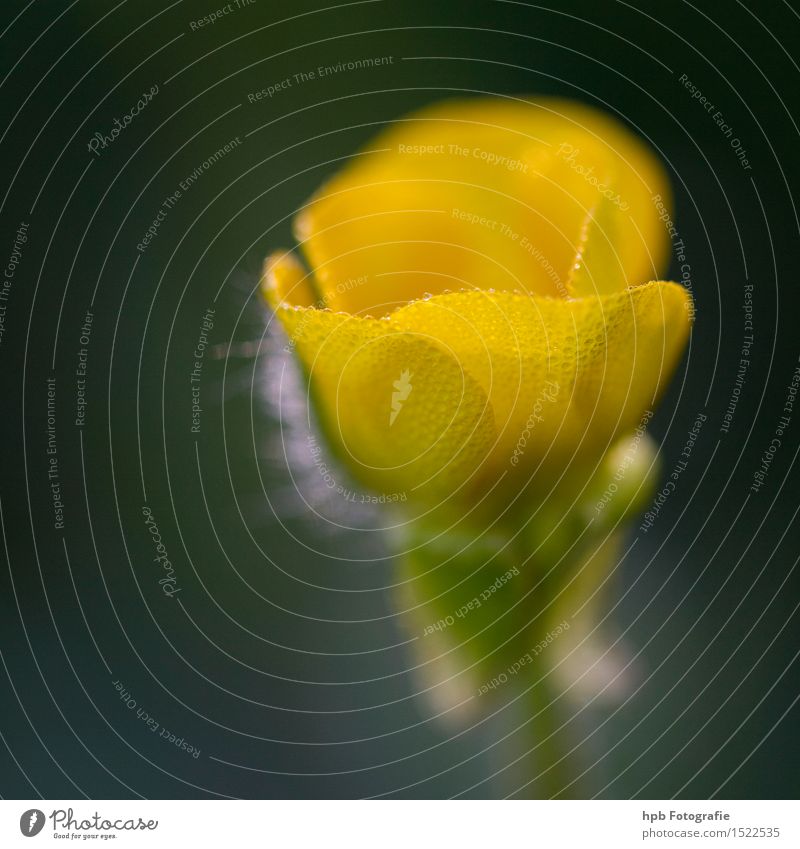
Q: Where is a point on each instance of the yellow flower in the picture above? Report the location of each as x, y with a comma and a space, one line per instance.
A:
478, 315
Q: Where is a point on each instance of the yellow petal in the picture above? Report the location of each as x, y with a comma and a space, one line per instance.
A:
402, 413
499, 383
285, 281
481, 193
563, 377
597, 266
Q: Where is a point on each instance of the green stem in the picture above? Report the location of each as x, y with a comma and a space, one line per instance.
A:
537, 761
552, 764
488, 631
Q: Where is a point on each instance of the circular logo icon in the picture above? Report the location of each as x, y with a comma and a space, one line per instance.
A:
31, 822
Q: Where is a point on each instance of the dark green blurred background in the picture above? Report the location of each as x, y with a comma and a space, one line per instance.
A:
281, 658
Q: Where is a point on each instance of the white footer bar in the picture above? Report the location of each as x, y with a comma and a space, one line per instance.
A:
401, 824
